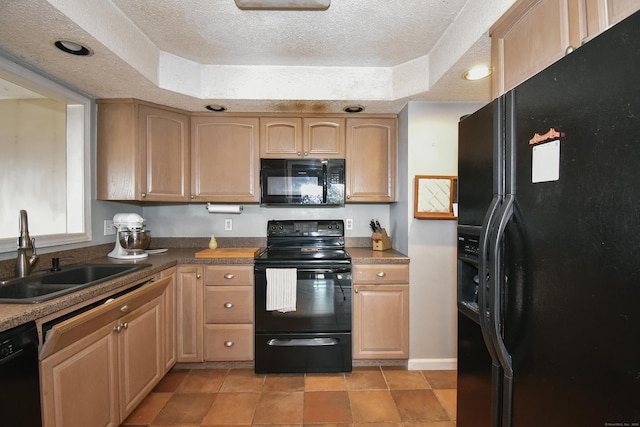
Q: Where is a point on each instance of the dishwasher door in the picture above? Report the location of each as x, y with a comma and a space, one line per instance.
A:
19, 377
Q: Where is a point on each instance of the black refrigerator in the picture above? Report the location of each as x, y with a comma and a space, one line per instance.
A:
548, 259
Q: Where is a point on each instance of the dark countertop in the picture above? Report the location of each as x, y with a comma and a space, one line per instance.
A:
16, 314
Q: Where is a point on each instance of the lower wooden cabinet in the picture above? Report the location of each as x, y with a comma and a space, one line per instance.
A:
189, 293
381, 311
98, 366
228, 313
169, 303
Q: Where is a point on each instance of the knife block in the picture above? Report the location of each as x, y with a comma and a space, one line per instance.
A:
381, 241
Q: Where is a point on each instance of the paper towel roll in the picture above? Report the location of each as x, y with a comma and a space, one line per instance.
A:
232, 209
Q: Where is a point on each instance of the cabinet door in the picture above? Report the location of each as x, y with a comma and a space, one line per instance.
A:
380, 321
372, 150
79, 384
169, 303
230, 342
118, 151
324, 138
228, 304
141, 354
225, 159
280, 137
601, 14
164, 154
529, 37
189, 306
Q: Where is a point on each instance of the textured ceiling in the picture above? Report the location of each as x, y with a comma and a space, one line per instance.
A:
376, 53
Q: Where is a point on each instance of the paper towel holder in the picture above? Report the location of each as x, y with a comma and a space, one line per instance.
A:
230, 209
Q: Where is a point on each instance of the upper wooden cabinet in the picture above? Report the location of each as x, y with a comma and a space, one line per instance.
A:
533, 34
371, 160
143, 152
302, 137
225, 162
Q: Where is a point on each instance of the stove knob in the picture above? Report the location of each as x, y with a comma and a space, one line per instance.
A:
337, 226
330, 227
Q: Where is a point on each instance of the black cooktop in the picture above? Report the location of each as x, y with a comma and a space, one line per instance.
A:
305, 240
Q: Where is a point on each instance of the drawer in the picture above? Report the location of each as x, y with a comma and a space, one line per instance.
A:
228, 342
381, 273
228, 304
221, 275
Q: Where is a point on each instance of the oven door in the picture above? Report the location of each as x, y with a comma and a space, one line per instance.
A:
323, 302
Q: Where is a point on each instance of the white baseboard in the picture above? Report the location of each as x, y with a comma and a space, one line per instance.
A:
433, 364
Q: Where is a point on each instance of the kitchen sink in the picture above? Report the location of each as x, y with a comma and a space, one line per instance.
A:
46, 285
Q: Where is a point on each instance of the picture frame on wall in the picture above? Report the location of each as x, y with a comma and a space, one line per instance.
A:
436, 197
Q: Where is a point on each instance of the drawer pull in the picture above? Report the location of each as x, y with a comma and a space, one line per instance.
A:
228, 343
124, 308
228, 276
228, 305
381, 274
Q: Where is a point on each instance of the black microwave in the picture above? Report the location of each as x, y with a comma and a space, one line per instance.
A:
302, 182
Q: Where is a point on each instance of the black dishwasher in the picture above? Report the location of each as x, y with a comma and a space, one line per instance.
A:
19, 377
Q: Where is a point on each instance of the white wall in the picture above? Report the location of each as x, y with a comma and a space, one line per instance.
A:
431, 148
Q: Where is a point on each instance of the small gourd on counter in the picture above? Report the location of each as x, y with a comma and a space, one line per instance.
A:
213, 243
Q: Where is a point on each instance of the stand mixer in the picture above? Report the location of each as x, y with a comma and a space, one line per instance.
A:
131, 237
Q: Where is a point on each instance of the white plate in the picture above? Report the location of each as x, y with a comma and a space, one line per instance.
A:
156, 251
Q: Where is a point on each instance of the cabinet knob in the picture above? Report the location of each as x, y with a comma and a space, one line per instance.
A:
124, 308
228, 276
117, 328
143, 195
228, 343
192, 197
299, 154
228, 305
355, 290
381, 274
568, 50
306, 154
198, 276
125, 325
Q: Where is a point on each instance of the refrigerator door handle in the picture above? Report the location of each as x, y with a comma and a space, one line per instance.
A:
495, 307
484, 276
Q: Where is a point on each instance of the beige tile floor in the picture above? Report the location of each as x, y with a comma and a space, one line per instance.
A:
366, 397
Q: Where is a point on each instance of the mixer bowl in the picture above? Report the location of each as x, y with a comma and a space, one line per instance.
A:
134, 241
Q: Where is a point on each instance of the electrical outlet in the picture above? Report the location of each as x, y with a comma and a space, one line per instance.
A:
349, 224
108, 227
228, 224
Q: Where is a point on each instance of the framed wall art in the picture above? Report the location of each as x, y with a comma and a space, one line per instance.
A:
436, 197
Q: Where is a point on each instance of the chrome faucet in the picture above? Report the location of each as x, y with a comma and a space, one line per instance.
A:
27, 256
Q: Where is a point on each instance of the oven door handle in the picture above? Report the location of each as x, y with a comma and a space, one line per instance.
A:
303, 342
311, 270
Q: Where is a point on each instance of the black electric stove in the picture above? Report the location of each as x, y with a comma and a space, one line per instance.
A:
316, 336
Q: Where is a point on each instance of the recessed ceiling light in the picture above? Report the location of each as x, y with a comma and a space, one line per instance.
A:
478, 72
72, 48
216, 108
283, 4
353, 109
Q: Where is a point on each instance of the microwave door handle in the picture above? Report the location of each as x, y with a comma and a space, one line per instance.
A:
324, 183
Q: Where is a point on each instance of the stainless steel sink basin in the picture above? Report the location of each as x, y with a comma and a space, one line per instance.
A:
46, 285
